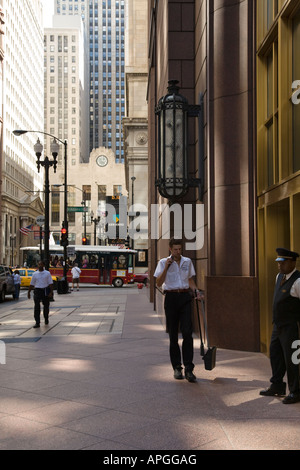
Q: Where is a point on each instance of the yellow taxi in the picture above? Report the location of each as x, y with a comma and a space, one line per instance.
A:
26, 275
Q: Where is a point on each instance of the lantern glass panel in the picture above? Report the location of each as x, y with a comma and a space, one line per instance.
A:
162, 144
179, 162
169, 144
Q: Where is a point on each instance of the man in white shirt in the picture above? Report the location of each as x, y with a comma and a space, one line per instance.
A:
42, 284
76, 271
286, 318
175, 275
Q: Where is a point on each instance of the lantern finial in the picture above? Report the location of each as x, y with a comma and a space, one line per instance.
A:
173, 86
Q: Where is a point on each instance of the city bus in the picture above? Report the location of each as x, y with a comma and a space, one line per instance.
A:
101, 265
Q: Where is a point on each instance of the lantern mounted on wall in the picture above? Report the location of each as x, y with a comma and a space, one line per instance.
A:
173, 112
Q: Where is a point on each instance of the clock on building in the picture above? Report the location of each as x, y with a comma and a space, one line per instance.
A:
101, 160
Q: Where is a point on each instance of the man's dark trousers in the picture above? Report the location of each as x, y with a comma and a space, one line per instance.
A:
178, 314
40, 296
281, 356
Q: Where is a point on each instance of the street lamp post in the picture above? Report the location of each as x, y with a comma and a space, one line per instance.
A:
84, 213
133, 178
19, 132
12, 245
46, 163
95, 221
83, 202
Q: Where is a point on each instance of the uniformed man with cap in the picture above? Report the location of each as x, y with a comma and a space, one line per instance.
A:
286, 321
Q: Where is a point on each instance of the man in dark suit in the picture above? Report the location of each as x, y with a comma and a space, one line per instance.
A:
286, 320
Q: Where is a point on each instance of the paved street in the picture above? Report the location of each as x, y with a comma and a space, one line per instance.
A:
98, 378
79, 316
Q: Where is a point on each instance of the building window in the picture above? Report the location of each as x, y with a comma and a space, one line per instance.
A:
296, 76
278, 118
101, 193
55, 206
87, 192
117, 190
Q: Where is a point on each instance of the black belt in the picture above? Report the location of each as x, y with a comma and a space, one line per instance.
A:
177, 290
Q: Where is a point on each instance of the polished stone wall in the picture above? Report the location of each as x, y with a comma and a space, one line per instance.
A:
209, 46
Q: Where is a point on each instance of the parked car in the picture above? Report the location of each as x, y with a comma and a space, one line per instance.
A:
7, 286
26, 275
141, 278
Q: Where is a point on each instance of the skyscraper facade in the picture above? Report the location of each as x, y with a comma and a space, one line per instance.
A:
104, 22
66, 109
66, 87
23, 108
135, 124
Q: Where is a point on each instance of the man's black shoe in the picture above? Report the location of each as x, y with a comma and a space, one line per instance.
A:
274, 390
46, 321
37, 325
190, 376
291, 398
178, 374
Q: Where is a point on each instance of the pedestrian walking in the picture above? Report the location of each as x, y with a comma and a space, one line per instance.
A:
17, 284
286, 319
42, 285
76, 271
175, 275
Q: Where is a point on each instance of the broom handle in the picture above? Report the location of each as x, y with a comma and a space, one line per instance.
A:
205, 324
200, 331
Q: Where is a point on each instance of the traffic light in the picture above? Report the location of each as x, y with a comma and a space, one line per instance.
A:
64, 237
84, 240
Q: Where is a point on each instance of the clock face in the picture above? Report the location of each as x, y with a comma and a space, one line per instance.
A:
102, 160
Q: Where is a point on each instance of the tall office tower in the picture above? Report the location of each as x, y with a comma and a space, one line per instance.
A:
23, 108
66, 88
1, 113
66, 107
105, 27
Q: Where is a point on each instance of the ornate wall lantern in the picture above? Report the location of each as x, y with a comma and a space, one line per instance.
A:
173, 112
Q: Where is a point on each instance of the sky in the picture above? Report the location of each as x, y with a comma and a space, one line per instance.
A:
48, 12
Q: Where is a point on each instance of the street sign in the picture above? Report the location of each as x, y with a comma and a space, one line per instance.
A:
77, 209
71, 250
40, 220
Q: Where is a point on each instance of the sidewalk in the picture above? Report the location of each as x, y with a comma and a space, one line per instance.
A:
98, 377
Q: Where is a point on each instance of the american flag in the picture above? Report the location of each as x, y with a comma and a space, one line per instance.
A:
26, 230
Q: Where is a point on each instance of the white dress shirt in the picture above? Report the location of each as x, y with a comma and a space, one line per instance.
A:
178, 275
41, 279
295, 289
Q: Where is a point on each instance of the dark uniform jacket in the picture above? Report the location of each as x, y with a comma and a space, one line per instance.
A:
286, 309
